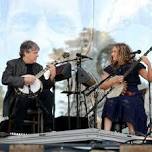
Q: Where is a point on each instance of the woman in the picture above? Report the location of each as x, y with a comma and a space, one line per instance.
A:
128, 107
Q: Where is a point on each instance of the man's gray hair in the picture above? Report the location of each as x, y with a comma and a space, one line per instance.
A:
27, 46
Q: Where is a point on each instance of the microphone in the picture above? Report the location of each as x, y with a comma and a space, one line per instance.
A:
83, 56
136, 52
66, 54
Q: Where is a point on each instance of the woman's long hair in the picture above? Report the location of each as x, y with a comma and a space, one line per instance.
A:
124, 53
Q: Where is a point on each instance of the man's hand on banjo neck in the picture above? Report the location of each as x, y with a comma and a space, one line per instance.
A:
52, 71
30, 79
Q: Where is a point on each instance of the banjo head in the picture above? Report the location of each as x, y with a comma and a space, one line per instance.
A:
115, 91
34, 88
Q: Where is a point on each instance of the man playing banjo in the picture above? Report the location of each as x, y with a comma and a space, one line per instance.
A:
25, 83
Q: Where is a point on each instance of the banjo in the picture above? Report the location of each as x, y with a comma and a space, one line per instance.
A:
33, 89
117, 89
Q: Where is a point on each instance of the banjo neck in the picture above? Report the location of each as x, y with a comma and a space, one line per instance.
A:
38, 75
135, 64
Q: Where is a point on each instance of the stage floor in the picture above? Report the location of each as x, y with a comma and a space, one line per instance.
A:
78, 138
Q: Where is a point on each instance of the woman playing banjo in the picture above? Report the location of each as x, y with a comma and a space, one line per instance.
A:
26, 83
128, 106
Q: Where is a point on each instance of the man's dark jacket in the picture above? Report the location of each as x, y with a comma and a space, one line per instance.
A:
12, 78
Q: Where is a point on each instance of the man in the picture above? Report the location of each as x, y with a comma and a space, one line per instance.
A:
20, 74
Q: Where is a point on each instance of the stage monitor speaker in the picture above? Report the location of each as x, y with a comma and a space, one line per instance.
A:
63, 72
85, 78
61, 123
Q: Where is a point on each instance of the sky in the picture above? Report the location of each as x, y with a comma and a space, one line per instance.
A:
51, 22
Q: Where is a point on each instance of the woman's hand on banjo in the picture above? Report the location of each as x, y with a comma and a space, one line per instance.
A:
146, 61
117, 79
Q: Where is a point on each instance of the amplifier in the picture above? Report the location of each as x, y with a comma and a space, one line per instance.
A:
69, 123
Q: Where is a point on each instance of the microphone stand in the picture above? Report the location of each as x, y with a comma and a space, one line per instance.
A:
79, 58
68, 95
94, 108
53, 107
96, 86
78, 90
98, 102
150, 118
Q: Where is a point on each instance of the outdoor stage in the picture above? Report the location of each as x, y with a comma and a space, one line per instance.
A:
90, 139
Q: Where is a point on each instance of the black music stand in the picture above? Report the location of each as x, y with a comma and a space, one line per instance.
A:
82, 78
85, 78
64, 73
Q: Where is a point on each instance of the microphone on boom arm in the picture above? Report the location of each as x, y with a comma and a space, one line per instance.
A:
66, 54
136, 52
83, 56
